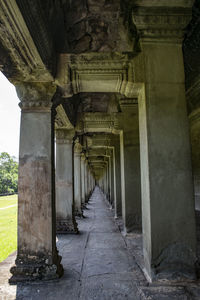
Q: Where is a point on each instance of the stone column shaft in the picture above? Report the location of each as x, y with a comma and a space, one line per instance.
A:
130, 168
65, 217
167, 190
118, 201
195, 142
37, 256
83, 179
77, 179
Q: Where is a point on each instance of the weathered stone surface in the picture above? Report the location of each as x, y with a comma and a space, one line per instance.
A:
118, 277
37, 256
65, 219
164, 103
130, 167
66, 226
100, 43
83, 44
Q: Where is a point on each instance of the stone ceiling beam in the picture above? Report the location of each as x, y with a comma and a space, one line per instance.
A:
95, 72
22, 61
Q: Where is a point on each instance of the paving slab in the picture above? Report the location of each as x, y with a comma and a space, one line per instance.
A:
99, 264
103, 261
105, 240
109, 287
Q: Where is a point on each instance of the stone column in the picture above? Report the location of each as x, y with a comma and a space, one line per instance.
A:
106, 180
83, 179
77, 178
167, 190
65, 217
86, 180
114, 178
110, 178
90, 176
130, 166
107, 176
195, 142
37, 256
118, 201
113, 193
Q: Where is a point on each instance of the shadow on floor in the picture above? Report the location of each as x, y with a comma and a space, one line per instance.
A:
99, 264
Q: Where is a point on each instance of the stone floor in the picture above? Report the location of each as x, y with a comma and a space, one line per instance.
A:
99, 263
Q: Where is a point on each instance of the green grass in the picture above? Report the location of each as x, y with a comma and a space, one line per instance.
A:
8, 200
8, 226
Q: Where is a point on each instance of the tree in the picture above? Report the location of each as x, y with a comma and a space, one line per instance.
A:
8, 173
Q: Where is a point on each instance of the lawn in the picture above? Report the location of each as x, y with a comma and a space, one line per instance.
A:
8, 226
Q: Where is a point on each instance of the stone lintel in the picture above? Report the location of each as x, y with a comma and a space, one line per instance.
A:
164, 3
95, 72
128, 102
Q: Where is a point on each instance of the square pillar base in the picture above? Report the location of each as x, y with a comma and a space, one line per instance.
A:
177, 262
30, 268
79, 213
66, 226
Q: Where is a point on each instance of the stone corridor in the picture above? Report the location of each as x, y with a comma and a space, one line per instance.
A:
99, 264
109, 91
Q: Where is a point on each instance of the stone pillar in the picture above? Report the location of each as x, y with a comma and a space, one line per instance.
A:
65, 216
77, 178
90, 182
113, 194
110, 176
118, 201
130, 166
105, 184
86, 180
83, 179
106, 180
195, 142
166, 176
37, 256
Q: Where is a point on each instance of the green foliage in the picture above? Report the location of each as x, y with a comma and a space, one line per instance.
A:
8, 174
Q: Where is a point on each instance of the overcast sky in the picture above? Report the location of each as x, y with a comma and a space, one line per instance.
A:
9, 118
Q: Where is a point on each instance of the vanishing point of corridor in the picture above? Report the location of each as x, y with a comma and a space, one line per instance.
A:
99, 264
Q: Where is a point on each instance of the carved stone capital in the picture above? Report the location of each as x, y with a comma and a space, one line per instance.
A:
35, 96
83, 158
162, 20
64, 136
77, 147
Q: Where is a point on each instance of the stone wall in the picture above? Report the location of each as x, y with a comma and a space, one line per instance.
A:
191, 50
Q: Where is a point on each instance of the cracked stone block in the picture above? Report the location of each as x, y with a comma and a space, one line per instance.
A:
83, 44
